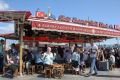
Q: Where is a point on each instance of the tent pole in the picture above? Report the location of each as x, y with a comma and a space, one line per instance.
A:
5, 44
21, 48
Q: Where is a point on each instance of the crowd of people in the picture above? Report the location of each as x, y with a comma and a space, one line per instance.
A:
45, 56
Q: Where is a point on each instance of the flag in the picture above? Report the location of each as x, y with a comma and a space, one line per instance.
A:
40, 14
116, 27
52, 17
49, 12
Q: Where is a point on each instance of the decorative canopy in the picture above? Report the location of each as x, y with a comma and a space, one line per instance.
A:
14, 15
49, 29
67, 27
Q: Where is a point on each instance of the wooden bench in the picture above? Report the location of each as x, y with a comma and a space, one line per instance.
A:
58, 70
48, 72
31, 69
6, 67
39, 68
68, 66
74, 71
55, 70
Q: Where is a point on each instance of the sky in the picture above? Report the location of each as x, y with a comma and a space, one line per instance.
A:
107, 11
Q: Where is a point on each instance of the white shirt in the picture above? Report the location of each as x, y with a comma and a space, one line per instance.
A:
76, 57
112, 58
48, 58
93, 49
85, 56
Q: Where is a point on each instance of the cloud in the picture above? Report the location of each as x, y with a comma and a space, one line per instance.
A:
5, 27
8, 28
4, 5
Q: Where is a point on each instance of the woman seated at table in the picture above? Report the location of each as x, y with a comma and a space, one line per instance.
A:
48, 57
27, 59
12, 62
76, 59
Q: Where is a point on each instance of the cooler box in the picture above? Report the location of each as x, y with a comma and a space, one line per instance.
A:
103, 66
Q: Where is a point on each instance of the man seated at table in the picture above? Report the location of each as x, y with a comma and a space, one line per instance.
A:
48, 57
39, 60
67, 56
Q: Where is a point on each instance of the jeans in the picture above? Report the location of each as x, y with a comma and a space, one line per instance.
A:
40, 63
1, 63
75, 64
13, 67
27, 65
93, 65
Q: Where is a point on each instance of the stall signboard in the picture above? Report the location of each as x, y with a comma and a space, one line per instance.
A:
73, 29
40, 14
60, 27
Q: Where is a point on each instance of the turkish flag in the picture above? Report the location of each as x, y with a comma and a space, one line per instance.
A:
40, 14
116, 27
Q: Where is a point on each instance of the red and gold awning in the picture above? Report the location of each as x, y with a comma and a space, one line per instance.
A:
62, 40
67, 27
14, 15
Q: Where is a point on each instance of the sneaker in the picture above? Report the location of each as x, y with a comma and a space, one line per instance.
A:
95, 74
88, 75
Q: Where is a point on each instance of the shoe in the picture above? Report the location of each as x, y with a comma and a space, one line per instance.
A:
95, 74
88, 75
83, 71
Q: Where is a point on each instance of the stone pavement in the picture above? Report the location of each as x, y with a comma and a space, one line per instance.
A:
102, 75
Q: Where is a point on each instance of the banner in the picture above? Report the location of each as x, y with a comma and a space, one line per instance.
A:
60, 27
46, 39
74, 29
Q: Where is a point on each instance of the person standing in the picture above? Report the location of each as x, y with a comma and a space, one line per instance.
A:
1, 53
111, 60
93, 56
